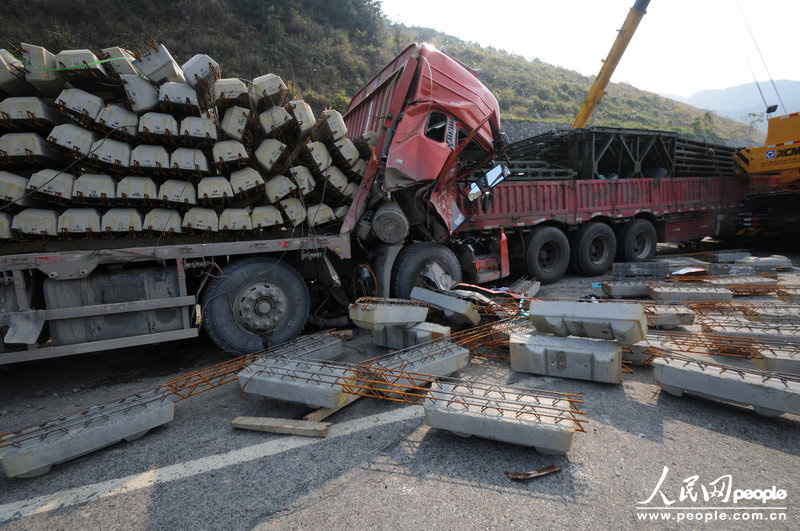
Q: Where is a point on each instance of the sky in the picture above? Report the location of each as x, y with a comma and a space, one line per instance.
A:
680, 47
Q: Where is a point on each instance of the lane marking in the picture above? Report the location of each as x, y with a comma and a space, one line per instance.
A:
124, 485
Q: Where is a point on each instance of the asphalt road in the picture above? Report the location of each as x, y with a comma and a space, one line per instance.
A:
381, 467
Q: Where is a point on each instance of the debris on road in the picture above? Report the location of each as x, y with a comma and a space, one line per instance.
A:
305, 428
525, 476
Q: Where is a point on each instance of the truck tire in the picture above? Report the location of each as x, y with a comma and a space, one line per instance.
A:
258, 302
547, 254
424, 264
636, 241
594, 246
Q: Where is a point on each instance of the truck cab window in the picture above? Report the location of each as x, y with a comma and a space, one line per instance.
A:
436, 128
473, 151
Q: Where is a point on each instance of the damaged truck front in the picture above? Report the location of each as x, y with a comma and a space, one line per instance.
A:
435, 132
438, 134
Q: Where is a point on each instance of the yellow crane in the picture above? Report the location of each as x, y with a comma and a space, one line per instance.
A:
610, 64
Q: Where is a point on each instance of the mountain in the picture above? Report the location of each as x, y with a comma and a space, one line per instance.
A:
327, 50
741, 102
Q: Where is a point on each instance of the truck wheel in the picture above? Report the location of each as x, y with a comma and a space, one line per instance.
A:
595, 246
424, 264
547, 254
258, 302
637, 241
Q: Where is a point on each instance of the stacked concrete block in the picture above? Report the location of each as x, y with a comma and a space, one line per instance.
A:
623, 322
73, 436
400, 337
690, 293
596, 360
468, 419
770, 397
374, 315
456, 310
670, 317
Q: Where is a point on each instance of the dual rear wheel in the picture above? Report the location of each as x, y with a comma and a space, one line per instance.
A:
591, 251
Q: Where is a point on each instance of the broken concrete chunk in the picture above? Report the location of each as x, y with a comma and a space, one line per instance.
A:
595, 360
127, 419
468, 419
456, 310
374, 315
690, 293
770, 397
624, 322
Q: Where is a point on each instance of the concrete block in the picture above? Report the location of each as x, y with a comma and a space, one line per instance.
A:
466, 420
391, 312
770, 398
717, 270
264, 217
690, 293
625, 289
669, 317
398, 338
305, 382
127, 419
119, 118
766, 263
725, 281
726, 256
456, 310
783, 360
621, 321
149, 157
199, 127
596, 360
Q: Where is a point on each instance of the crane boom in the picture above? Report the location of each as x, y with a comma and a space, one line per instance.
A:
610, 64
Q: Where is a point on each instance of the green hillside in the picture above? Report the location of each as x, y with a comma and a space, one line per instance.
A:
327, 49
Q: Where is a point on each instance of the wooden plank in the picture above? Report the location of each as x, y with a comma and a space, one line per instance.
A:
306, 428
324, 412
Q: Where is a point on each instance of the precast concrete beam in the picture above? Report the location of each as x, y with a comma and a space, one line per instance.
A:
783, 360
726, 256
623, 322
766, 263
305, 382
468, 418
596, 360
455, 310
736, 328
690, 293
770, 397
74, 436
625, 289
670, 317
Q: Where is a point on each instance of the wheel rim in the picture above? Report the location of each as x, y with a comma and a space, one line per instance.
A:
260, 306
548, 256
434, 275
641, 245
598, 250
